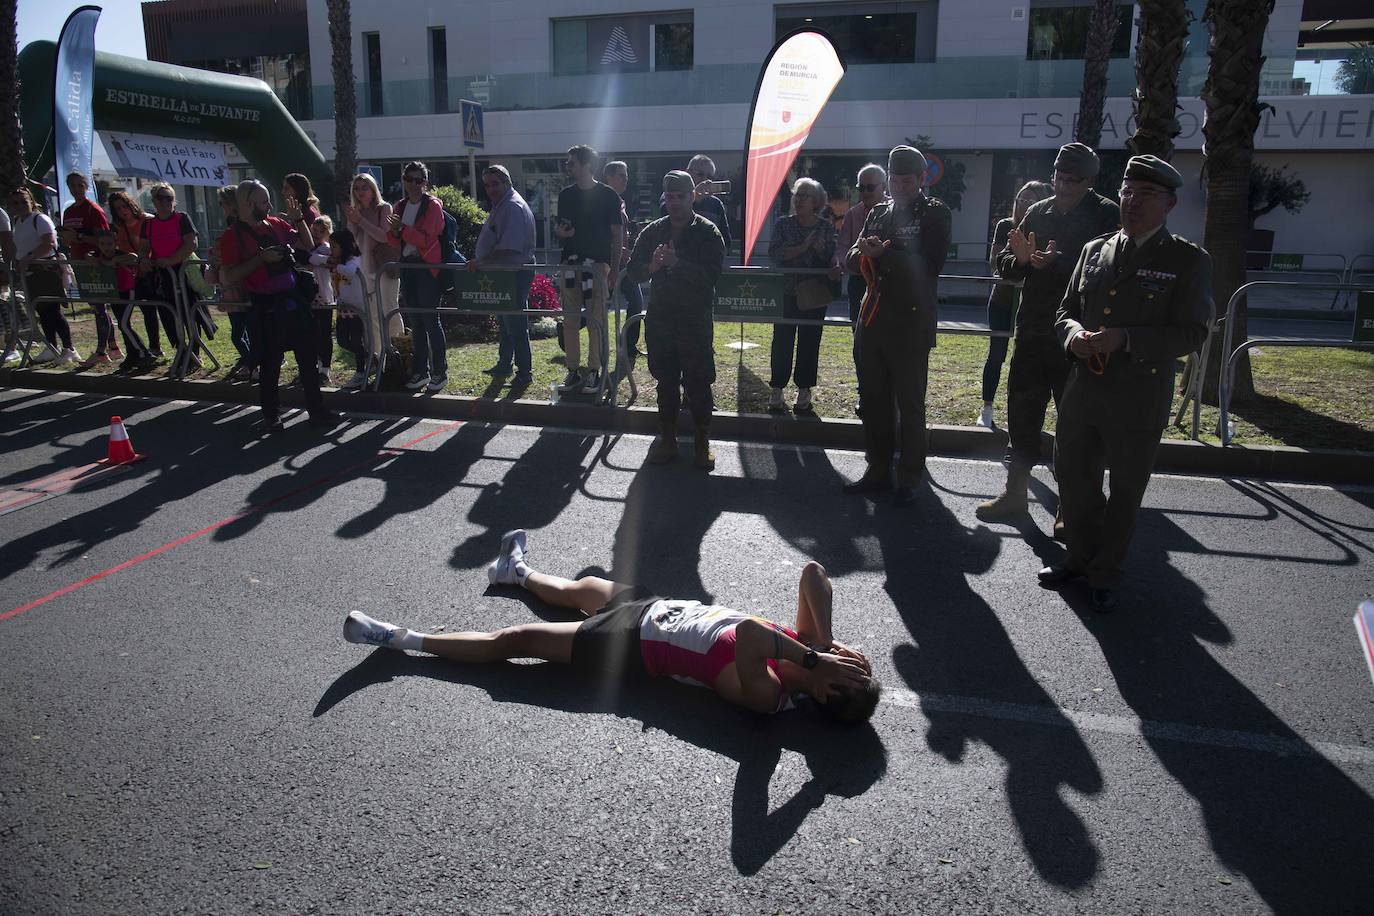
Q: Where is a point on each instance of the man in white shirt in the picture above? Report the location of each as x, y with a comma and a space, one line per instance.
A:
35, 243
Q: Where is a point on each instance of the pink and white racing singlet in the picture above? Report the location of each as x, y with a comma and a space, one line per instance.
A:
692, 642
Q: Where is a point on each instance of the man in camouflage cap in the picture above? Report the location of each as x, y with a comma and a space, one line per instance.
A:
901, 251
1041, 252
682, 254
1137, 300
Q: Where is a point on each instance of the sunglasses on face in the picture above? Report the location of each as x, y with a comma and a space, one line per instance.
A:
869, 188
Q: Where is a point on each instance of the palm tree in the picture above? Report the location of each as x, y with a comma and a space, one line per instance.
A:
1231, 96
1355, 75
11, 130
1159, 48
1101, 30
345, 97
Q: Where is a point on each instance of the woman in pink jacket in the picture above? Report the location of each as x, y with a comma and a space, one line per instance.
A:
417, 223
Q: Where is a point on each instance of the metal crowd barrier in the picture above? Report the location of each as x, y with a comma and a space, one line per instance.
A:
31, 303
385, 314
1226, 377
1340, 273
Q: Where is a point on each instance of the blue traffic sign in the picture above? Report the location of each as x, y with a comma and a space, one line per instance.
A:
471, 120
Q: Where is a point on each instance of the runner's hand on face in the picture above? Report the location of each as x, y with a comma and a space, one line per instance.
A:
834, 673
843, 651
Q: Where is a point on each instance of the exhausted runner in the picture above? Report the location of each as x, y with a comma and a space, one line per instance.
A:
631, 633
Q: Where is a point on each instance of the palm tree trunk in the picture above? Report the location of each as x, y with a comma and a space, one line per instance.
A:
1159, 47
1101, 30
1231, 94
11, 130
345, 98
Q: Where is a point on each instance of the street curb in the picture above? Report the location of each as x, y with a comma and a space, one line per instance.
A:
1280, 462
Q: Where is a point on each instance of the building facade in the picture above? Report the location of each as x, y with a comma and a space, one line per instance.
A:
991, 86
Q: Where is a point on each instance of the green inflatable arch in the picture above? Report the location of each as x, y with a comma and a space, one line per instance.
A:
141, 96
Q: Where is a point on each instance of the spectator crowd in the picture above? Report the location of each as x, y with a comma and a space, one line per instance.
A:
1099, 299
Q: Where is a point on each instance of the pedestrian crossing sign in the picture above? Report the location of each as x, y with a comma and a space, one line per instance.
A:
470, 117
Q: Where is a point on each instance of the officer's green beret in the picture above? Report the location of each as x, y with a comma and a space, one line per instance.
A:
905, 160
678, 180
1078, 159
1154, 170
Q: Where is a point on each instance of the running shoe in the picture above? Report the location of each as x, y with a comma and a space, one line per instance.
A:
502, 571
360, 628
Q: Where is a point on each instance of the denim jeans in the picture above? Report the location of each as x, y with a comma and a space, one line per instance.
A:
429, 354
515, 330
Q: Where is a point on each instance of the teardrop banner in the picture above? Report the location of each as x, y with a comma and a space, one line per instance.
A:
796, 81
73, 85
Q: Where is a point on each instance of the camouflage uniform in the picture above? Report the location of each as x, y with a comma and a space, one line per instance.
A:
1038, 366
678, 329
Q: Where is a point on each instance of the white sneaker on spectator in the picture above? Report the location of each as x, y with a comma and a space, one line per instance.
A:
591, 382
504, 570
572, 381
417, 381
985, 418
775, 404
68, 355
437, 383
355, 381
12, 356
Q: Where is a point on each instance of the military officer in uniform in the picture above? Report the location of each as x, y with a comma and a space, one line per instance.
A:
682, 254
1138, 300
900, 252
1042, 251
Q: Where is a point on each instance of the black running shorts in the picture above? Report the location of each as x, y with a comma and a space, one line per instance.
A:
608, 642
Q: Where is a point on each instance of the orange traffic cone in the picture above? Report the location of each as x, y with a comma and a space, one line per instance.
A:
121, 449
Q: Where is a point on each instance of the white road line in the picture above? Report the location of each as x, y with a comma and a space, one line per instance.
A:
1127, 726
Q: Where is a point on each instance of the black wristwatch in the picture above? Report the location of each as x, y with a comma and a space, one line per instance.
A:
810, 659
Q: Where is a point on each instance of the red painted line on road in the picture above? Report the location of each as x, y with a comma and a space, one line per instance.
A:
250, 511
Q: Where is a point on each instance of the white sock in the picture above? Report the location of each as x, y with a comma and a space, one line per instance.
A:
408, 639
522, 571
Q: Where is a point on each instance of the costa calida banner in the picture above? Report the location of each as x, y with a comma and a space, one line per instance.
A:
73, 124
797, 78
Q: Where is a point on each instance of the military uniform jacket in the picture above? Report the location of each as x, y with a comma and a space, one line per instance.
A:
909, 269
1044, 288
1163, 298
681, 296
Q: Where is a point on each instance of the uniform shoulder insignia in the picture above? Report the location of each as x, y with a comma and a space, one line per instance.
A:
936, 203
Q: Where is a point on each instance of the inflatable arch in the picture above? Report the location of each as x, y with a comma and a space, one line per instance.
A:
141, 96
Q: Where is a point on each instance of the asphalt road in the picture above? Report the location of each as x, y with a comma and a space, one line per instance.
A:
184, 729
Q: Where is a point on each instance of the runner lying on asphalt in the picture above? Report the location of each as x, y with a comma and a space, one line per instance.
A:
631, 633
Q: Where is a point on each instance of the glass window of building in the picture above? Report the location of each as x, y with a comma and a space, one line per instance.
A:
633, 43
372, 51
1059, 30
869, 33
438, 68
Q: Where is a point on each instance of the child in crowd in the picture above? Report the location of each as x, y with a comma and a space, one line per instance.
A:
107, 254
349, 291
320, 231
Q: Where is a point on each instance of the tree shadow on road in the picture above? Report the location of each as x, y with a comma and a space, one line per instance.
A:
961, 660
843, 761
1292, 823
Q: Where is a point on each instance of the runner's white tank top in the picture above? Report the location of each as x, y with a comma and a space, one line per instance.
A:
692, 642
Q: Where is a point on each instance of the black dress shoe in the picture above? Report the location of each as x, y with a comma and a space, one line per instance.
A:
1104, 600
326, 420
272, 426
905, 496
496, 371
865, 485
1055, 576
